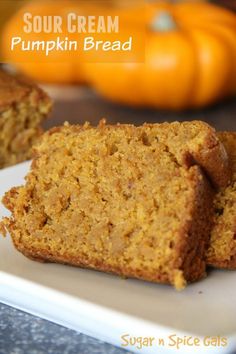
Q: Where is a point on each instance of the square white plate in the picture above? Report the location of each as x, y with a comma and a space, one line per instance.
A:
107, 307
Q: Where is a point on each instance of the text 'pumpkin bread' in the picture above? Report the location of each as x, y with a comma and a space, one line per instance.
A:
122, 199
222, 250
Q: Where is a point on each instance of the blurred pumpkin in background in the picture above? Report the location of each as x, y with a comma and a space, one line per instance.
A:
190, 60
65, 70
190, 56
54, 71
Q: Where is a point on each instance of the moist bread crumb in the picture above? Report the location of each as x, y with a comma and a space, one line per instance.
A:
222, 249
122, 199
23, 107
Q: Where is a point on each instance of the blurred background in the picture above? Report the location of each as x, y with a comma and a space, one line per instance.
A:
189, 70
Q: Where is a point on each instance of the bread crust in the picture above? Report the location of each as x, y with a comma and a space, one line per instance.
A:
193, 240
195, 143
189, 237
222, 247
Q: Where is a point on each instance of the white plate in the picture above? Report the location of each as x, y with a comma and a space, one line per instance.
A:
107, 307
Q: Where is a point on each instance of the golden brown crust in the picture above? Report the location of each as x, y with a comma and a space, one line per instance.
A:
222, 248
201, 146
119, 199
227, 264
194, 252
194, 142
192, 240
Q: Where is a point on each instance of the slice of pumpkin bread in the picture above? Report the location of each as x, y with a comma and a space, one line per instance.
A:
23, 107
122, 199
222, 250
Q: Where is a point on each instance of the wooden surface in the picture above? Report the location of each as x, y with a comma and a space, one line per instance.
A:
77, 105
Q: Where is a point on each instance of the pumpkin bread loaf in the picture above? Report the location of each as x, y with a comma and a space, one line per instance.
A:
23, 106
222, 250
123, 199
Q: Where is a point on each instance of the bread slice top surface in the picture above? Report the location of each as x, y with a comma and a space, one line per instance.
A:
122, 195
190, 143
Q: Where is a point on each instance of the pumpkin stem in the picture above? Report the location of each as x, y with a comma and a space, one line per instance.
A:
163, 22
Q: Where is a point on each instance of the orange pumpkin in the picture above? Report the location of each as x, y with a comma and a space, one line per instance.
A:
190, 60
53, 70
63, 67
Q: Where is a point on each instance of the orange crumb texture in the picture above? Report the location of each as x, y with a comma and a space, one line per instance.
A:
23, 107
123, 199
222, 250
